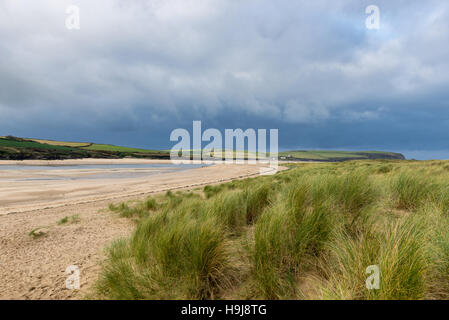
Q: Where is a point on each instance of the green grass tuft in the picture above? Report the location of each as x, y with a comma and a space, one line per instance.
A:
306, 233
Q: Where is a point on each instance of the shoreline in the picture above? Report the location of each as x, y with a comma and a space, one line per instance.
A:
93, 161
35, 268
85, 161
123, 195
31, 190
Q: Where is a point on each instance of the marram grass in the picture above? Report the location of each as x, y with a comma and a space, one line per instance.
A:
309, 232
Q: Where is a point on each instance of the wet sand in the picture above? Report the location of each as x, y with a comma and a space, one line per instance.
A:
34, 187
35, 268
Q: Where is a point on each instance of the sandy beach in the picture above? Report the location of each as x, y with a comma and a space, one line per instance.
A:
35, 268
27, 189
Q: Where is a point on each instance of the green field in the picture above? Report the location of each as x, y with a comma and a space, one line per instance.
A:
311, 232
14, 148
9, 143
62, 143
108, 147
336, 155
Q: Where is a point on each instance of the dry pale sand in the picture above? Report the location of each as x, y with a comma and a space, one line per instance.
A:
34, 268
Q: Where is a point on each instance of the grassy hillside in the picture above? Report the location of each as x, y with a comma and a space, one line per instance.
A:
307, 233
318, 155
10, 142
108, 147
18, 149
13, 148
62, 143
329, 155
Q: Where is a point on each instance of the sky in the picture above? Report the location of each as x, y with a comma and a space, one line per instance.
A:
136, 70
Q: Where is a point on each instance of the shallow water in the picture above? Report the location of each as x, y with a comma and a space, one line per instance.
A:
91, 171
100, 166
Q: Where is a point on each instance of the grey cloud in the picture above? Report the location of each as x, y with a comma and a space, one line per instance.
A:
135, 67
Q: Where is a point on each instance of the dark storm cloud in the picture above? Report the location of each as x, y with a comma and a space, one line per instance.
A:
138, 69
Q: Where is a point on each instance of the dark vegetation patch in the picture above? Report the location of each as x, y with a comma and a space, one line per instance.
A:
13, 148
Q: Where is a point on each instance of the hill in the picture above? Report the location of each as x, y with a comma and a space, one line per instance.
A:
14, 148
337, 156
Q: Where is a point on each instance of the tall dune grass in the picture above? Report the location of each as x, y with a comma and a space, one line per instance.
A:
306, 233
176, 254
